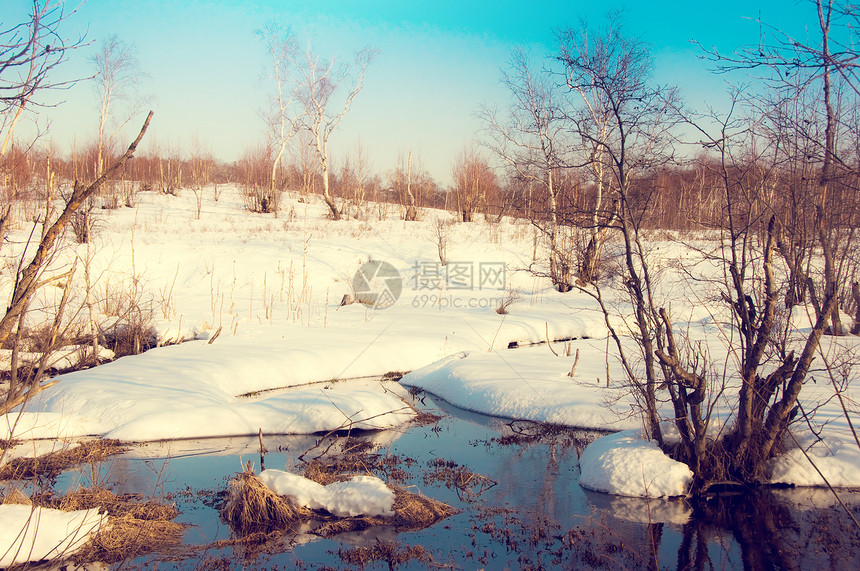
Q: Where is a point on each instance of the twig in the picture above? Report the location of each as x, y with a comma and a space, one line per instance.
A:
575, 363
548, 342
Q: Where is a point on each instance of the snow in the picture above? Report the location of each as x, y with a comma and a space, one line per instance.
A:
362, 495
33, 534
528, 383
837, 460
625, 464
288, 360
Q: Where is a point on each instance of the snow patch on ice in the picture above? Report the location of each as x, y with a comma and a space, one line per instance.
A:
624, 464
362, 495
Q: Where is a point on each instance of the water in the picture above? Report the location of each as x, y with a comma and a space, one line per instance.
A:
530, 514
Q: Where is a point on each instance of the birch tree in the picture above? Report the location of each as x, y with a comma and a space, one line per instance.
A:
530, 138
319, 84
611, 72
117, 79
281, 49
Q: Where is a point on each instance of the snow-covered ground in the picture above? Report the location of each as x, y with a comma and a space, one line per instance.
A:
290, 359
33, 534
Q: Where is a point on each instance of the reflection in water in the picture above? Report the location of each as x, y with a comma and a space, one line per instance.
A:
536, 516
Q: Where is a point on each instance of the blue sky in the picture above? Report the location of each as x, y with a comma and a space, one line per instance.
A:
439, 61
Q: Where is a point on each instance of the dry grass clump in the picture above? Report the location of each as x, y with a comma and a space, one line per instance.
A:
415, 511
326, 473
385, 551
252, 507
127, 537
51, 465
411, 512
343, 467
115, 506
134, 527
455, 477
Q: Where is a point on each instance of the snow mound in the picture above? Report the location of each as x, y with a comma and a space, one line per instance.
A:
362, 495
33, 534
625, 465
196, 390
839, 462
526, 384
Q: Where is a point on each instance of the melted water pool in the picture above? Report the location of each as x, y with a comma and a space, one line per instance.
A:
531, 514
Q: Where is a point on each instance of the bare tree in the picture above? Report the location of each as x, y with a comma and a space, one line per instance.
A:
812, 72
357, 173
117, 79
202, 165
404, 182
750, 169
633, 138
30, 52
318, 84
281, 48
473, 180
31, 276
531, 139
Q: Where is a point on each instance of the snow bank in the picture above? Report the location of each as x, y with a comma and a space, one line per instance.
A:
624, 464
528, 384
362, 495
33, 534
838, 461
193, 390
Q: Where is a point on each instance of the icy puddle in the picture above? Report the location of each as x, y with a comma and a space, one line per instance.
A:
520, 506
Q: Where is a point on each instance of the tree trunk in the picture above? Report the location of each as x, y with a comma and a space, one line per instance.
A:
855, 293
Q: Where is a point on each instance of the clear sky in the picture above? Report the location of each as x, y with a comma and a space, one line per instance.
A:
439, 61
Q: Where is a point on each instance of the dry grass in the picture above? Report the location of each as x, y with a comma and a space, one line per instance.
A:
388, 552
414, 511
251, 507
411, 512
466, 483
127, 537
357, 458
253, 511
51, 465
255, 538
14, 496
134, 527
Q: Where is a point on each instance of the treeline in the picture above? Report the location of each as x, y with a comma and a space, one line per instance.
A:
680, 196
